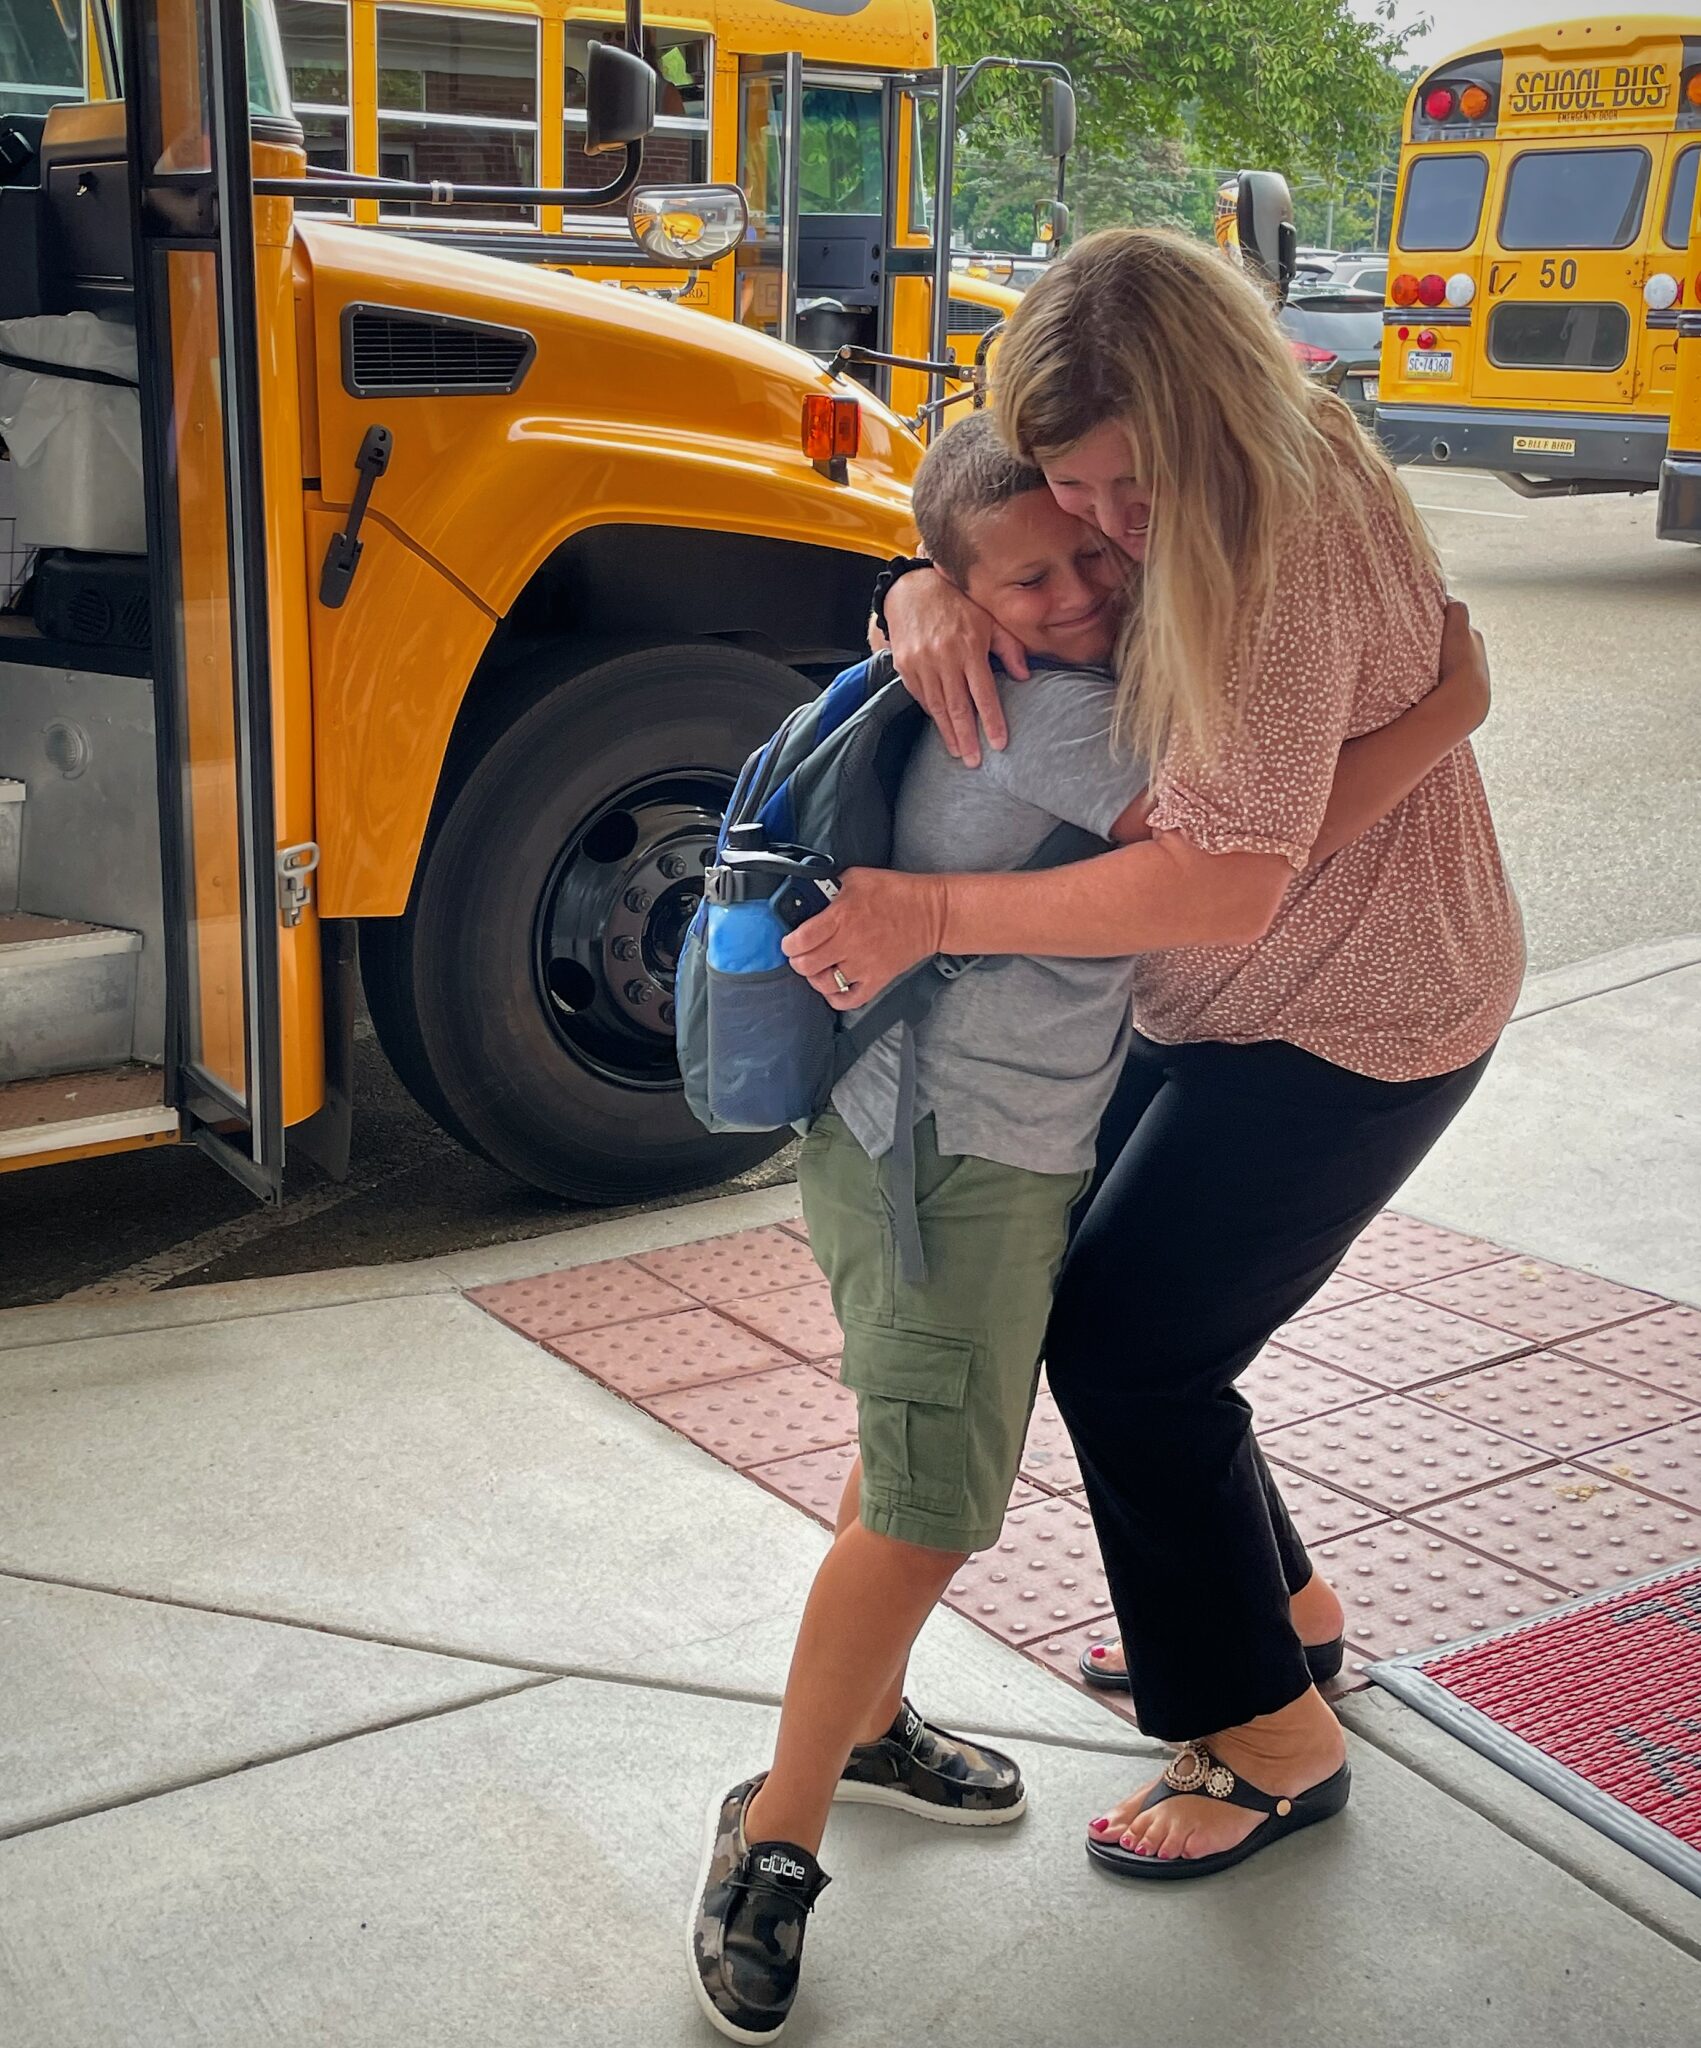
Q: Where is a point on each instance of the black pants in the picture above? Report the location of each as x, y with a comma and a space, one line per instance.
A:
1231, 1181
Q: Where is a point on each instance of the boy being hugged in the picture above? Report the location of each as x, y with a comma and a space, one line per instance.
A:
1014, 1066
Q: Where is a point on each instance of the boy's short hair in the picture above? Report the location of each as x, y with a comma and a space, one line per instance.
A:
968, 470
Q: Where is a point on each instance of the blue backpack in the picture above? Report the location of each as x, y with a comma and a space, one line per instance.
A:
758, 1047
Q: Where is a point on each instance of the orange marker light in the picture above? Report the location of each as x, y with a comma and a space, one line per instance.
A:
1474, 102
1404, 290
1692, 88
832, 427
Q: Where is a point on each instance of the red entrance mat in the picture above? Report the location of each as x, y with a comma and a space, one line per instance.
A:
1597, 1704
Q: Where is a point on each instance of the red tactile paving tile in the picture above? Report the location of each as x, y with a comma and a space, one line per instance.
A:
1042, 1574
1667, 1463
1557, 1403
1536, 1299
812, 1481
1048, 1458
1569, 1525
1320, 1513
1061, 1652
1405, 1587
800, 1318
1399, 1453
1336, 1292
661, 1354
581, 1298
1399, 1251
763, 1416
722, 1269
1284, 1386
1662, 1350
1394, 1341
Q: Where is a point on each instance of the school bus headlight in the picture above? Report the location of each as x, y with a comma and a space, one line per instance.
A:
1461, 288
1661, 292
832, 427
688, 223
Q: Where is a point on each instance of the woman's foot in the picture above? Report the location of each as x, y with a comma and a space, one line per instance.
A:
1283, 1754
1315, 1610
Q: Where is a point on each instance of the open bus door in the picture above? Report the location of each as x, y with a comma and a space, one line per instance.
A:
227, 887
842, 253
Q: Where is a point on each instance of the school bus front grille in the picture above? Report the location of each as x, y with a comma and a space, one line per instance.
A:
968, 316
394, 352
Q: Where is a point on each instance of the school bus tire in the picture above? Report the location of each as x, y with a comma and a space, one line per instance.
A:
524, 998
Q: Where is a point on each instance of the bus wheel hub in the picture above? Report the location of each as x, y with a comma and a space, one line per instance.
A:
614, 918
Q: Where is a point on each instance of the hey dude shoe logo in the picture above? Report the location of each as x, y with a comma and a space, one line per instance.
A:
775, 1865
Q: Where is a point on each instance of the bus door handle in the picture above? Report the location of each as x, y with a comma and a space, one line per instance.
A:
342, 557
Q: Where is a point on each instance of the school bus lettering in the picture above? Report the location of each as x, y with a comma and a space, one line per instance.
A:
1564, 275
1579, 92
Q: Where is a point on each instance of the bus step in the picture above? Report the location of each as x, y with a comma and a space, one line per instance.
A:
67, 995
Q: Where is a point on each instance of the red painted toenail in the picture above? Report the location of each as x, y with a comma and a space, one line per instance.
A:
1098, 1826
1098, 1651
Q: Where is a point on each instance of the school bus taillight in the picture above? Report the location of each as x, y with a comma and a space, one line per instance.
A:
1692, 88
1662, 292
1404, 289
1432, 289
832, 427
1438, 103
1474, 102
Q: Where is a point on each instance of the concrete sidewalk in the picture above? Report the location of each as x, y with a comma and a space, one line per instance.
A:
364, 1671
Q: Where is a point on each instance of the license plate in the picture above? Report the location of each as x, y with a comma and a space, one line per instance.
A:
1543, 444
1372, 387
1429, 362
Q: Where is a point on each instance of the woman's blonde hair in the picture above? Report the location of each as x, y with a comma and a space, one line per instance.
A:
1239, 451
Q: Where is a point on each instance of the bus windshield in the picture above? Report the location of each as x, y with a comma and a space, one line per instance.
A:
41, 55
46, 48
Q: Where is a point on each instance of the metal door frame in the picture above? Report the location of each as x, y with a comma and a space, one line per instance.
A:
209, 210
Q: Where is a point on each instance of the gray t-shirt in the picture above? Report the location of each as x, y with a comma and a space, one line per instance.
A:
1017, 1058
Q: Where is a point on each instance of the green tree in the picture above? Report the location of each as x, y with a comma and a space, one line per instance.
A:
1299, 85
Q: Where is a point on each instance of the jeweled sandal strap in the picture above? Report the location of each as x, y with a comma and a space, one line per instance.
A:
1195, 1769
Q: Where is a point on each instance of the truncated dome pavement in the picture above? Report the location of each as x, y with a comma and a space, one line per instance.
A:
1466, 1437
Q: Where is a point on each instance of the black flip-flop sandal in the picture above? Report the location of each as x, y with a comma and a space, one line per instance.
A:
1195, 1769
1322, 1660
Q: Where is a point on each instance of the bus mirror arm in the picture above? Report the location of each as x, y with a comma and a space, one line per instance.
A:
403, 192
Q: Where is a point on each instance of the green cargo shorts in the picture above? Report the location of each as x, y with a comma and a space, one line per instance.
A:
944, 1373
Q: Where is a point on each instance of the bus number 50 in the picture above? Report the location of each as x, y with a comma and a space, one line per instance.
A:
1566, 275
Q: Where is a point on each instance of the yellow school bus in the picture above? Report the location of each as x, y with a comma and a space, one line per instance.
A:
466, 588
1679, 515
1546, 188
813, 110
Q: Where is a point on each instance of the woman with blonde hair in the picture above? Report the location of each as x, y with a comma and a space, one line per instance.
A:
1304, 1032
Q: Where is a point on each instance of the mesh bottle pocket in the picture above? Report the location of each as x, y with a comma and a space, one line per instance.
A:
770, 1049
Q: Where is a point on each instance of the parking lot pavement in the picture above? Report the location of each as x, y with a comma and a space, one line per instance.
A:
1592, 753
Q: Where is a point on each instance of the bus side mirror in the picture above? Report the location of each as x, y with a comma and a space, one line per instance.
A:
1057, 117
692, 224
620, 99
1051, 227
1264, 217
